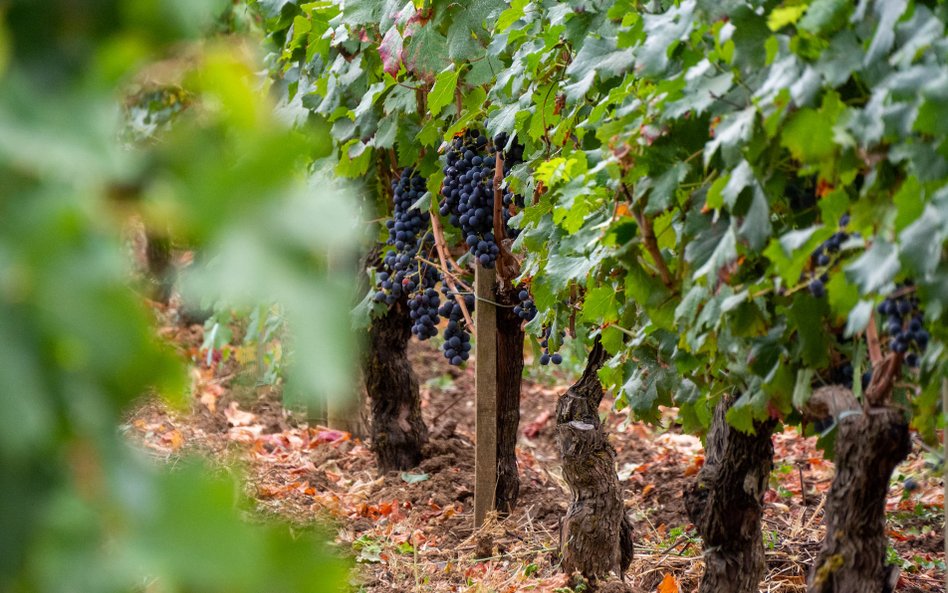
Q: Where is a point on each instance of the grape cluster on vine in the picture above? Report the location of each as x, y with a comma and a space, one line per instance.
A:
526, 309
904, 324
403, 273
546, 358
457, 338
824, 257
469, 196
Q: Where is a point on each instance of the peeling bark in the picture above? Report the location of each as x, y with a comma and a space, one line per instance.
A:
596, 534
725, 504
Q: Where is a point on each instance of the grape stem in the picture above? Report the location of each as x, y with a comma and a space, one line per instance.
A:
648, 237
438, 233
445, 272
872, 339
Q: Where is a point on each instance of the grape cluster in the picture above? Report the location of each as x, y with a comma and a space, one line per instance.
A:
469, 196
824, 257
546, 358
423, 310
904, 324
457, 340
402, 273
526, 309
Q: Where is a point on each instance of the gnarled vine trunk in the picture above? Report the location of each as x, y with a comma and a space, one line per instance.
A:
398, 430
725, 504
871, 441
596, 534
509, 378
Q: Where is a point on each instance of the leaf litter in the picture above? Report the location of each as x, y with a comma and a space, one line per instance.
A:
412, 531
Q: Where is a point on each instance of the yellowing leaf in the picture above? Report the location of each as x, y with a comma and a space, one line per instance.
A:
785, 15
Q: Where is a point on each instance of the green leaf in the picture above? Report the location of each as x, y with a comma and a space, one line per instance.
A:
825, 16
599, 305
600, 55
921, 242
806, 314
442, 93
876, 267
799, 138
802, 388
859, 318
511, 15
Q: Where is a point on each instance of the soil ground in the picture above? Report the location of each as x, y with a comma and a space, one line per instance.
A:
412, 531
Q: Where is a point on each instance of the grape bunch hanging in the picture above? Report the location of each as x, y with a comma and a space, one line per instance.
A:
457, 338
546, 358
468, 195
904, 324
403, 272
511, 156
824, 257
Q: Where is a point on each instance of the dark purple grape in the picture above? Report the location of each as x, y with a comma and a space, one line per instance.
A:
816, 288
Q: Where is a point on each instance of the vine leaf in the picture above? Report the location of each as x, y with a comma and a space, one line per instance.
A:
442, 93
390, 51
876, 267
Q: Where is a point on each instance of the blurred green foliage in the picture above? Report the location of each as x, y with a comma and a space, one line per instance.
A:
81, 510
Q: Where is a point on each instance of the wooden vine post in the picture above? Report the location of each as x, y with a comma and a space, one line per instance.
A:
485, 402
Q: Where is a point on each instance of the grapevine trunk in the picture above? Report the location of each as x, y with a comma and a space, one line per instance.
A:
852, 560
398, 430
509, 377
596, 534
725, 503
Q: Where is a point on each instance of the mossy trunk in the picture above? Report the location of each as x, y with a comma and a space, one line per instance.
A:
726, 501
398, 430
596, 534
509, 379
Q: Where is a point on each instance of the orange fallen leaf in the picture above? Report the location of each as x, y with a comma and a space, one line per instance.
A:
648, 488
695, 466
669, 584
173, 439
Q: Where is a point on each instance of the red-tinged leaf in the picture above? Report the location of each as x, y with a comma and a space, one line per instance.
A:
330, 436
669, 584
390, 51
648, 489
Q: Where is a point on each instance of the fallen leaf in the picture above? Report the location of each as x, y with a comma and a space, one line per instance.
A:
532, 430
669, 584
237, 417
